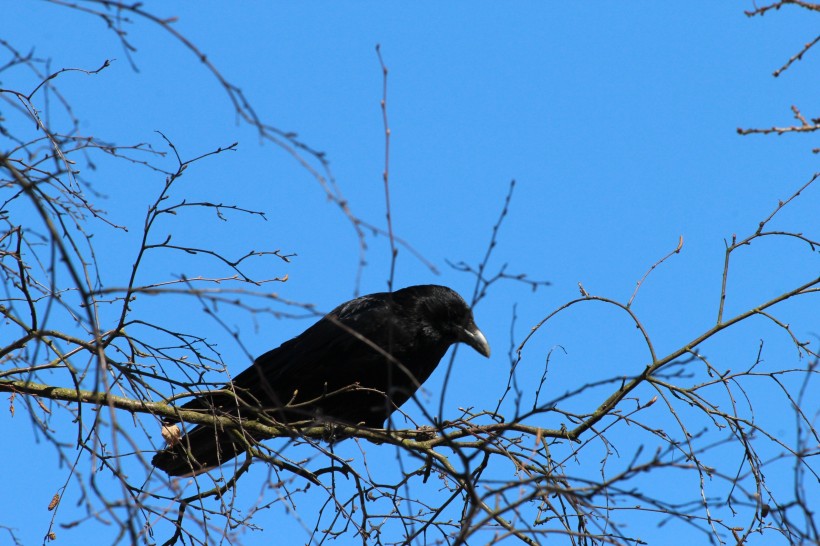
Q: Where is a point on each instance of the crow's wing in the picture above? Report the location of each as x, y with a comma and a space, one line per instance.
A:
334, 353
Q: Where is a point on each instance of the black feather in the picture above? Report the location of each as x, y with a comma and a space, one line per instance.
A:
356, 365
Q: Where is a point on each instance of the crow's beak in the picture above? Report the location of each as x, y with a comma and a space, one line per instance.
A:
473, 337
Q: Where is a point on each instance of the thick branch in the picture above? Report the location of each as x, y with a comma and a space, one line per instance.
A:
413, 439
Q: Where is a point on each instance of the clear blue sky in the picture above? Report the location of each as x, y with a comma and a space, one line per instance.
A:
617, 120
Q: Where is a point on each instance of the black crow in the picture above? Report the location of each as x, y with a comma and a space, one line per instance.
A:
357, 365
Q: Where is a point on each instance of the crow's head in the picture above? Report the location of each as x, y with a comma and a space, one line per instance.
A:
447, 316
